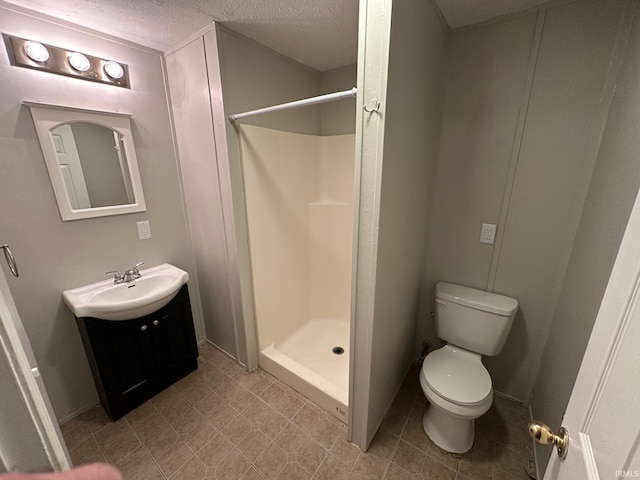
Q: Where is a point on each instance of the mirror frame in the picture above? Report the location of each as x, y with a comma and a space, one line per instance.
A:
47, 117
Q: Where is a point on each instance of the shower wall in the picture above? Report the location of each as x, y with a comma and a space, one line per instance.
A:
299, 197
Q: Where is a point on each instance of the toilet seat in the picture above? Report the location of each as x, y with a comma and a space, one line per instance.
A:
457, 376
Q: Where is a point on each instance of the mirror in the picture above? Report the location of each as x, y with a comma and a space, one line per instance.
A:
91, 160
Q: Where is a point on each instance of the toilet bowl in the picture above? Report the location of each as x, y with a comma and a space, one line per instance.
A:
457, 385
458, 388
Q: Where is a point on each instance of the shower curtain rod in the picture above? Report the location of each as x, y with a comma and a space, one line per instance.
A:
330, 97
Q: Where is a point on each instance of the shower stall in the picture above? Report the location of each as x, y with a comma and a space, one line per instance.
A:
299, 208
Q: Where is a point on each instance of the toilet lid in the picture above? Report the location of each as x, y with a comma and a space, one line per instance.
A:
457, 375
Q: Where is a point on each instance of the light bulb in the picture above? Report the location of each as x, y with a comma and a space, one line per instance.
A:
114, 69
79, 62
36, 51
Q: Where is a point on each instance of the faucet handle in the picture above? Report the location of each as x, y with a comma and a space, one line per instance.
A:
136, 273
117, 278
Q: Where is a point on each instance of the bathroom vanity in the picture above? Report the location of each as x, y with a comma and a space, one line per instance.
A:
133, 360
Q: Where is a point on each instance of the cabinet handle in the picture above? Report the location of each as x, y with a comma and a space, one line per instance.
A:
155, 322
143, 328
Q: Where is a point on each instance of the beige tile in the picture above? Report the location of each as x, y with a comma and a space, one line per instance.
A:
394, 421
187, 422
209, 404
221, 417
434, 470
290, 438
196, 392
451, 460
371, 467
332, 469
409, 457
198, 438
310, 455
237, 429
214, 451
383, 444
397, 473
307, 417
147, 427
255, 382
256, 411
194, 469
272, 424
76, 435
325, 432
504, 475
414, 434
346, 452
83, 452
95, 418
174, 458
293, 471
478, 469
159, 443
253, 444
232, 466
271, 461
252, 474
139, 466
510, 460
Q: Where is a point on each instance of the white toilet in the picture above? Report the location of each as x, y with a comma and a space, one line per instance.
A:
453, 378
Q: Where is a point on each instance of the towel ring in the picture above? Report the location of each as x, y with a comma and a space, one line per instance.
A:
10, 260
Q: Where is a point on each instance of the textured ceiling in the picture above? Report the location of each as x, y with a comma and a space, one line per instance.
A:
319, 33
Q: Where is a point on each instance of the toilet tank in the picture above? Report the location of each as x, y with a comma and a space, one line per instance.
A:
473, 319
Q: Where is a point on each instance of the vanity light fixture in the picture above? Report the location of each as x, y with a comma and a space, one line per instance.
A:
79, 61
36, 51
49, 58
114, 69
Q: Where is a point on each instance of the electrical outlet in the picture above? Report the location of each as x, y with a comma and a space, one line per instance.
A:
488, 233
144, 230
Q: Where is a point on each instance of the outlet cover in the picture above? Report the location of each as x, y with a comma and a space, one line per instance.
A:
144, 230
488, 233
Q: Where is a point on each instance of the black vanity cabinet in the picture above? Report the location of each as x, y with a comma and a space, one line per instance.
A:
133, 360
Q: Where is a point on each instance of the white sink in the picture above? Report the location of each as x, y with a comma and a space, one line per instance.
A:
124, 301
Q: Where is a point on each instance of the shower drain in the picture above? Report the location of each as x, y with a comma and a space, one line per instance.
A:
337, 350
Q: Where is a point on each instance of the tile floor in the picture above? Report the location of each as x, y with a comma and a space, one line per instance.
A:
221, 422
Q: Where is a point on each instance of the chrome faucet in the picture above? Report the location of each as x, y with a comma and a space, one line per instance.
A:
132, 274
128, 276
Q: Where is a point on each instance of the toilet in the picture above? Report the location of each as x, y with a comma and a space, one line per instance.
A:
453, 378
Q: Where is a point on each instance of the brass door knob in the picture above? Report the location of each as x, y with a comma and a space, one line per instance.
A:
541, 433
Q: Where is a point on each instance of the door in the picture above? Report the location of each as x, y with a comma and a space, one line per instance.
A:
70, 166
30, 438
175, 339
602, 417
122, 362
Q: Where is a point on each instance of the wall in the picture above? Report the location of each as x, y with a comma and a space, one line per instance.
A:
279, 182
299, 193
610, 198
520, 130
338, 118
330, 230
53, 255
397, 153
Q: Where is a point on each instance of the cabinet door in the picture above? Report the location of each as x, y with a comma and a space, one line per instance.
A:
124, 357
174, 338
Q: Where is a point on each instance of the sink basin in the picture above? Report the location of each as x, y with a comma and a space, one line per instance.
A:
157, 287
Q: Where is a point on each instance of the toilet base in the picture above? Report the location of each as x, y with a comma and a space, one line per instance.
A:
452, 434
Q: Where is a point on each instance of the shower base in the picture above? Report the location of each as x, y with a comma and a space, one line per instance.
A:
314, 360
